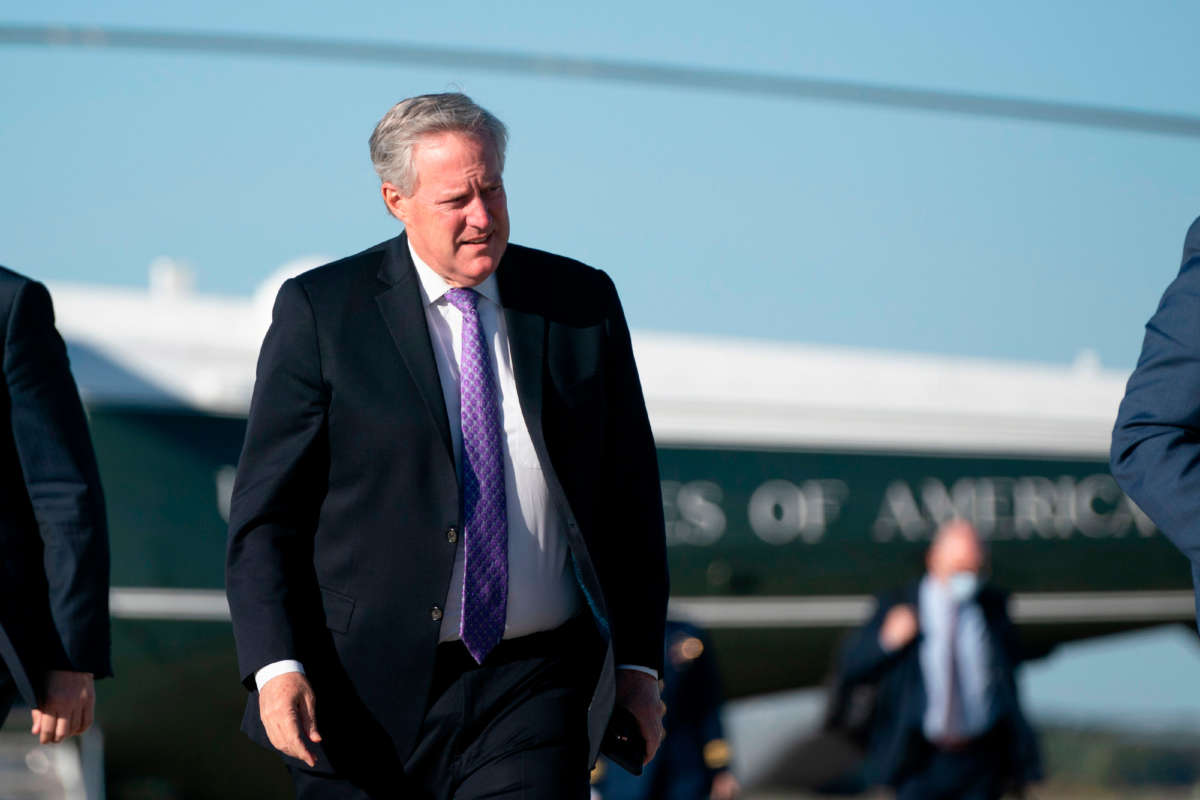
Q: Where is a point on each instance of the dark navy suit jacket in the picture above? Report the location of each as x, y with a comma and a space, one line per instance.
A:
897, 745
1156, 440
347, 487
53, 534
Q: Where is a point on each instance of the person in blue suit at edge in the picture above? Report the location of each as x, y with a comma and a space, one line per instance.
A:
694, 760
1156, 439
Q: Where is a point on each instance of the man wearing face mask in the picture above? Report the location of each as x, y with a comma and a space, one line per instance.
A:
942, 653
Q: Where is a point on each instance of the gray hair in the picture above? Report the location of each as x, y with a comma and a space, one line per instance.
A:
405, 123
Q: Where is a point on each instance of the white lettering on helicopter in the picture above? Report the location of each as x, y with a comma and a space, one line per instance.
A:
693, 512
780, 511
1012, 508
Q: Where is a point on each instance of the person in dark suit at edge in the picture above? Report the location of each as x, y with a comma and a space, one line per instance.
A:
1155, 453
446, 557
942, 654
54, 570
694, 762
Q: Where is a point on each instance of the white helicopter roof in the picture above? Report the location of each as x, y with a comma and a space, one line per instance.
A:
169, 346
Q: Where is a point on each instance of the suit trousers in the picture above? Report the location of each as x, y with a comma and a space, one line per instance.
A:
973, 772
513, 728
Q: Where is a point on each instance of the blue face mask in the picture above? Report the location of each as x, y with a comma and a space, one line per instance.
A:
963, 586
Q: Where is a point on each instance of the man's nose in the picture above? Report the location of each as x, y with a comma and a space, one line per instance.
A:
478, 215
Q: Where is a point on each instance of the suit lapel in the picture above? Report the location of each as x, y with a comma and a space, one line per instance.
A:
402, 308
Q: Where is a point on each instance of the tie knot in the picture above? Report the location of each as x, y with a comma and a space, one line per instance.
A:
464, 300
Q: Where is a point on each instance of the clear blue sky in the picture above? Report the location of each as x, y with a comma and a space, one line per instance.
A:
715, 213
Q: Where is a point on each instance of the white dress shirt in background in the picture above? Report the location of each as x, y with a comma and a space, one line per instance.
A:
972, 657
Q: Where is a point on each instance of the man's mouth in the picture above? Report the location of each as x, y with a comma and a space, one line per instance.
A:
478, 240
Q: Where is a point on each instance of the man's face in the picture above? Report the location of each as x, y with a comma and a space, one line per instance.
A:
457, 215
955, 548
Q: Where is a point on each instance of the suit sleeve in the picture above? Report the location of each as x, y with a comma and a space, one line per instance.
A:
1027, 754
276, 498
638, 606
863, 659
1156, 441
63, 482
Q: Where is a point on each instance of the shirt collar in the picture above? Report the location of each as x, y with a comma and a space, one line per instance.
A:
933, 592
434, 286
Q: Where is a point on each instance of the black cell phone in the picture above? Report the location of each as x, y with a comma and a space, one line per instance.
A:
623, 743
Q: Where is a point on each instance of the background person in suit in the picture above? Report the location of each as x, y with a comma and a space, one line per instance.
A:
694, 760
54, 634
446, 555
1156, 439
943, 653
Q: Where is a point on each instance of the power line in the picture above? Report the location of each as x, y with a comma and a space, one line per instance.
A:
640, 72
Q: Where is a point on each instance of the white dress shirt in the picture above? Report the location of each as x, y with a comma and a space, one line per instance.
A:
542, 592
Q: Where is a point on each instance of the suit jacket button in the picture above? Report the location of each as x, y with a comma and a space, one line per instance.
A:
435, 614
451, 535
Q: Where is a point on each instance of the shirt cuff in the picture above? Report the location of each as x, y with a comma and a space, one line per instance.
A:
276, 669
653, 673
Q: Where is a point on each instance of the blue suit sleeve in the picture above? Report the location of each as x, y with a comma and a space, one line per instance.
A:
1156, 441
61, 477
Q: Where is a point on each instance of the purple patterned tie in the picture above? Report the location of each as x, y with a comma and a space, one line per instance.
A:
485, 514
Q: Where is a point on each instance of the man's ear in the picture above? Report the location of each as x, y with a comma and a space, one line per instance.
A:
395, 201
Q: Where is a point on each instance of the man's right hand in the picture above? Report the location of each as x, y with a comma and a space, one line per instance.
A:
899, 628
642, 695
68, 708
288, 710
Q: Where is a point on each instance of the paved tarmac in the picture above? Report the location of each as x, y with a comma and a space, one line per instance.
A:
27, 769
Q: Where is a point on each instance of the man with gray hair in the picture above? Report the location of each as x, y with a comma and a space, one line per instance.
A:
446, 558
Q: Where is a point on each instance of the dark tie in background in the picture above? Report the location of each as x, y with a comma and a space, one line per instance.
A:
485, 515
952, 725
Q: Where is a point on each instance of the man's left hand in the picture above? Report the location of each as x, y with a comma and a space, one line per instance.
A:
641, 694
69, 706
